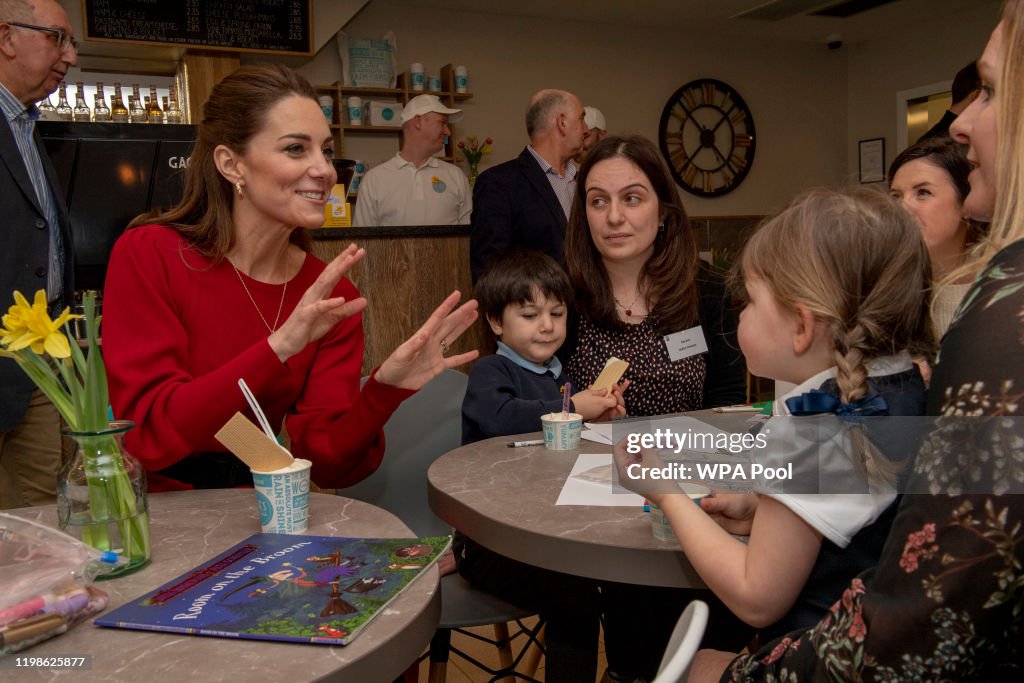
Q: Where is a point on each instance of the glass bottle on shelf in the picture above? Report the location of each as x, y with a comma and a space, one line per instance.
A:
64, 111
163, 98
81, 113
174, 114
118, 112
156, 115
46, 110
136, 114
100, 112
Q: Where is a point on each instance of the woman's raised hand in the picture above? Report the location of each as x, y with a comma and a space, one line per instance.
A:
423, 356
317, 312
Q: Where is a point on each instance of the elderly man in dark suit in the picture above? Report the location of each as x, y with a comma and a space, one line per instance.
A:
524, 203
36, 50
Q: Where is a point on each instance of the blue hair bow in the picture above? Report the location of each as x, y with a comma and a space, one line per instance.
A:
816, 402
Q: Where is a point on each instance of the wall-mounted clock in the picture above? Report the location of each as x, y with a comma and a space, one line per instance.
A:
707, 137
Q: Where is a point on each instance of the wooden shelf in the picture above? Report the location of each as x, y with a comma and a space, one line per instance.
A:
381, 92
371, 129
401, 94
398, 92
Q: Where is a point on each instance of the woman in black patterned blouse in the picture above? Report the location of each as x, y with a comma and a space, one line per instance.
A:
946, 601
644, 296
642, 293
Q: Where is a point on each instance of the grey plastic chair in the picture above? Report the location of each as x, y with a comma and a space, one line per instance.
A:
426, 426
682, 646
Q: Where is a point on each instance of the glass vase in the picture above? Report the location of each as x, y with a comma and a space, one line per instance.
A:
473, 173
101, 496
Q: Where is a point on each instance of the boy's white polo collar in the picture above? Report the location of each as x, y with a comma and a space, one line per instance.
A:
553, 364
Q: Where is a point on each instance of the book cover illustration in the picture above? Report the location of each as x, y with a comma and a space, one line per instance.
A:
307, 589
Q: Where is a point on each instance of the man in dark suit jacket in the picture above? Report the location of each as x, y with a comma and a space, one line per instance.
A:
36, 50
524, 203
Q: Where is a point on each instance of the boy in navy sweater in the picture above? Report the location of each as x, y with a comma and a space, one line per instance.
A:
524, 298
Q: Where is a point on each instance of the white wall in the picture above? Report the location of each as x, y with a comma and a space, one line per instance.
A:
797, 92
902, 60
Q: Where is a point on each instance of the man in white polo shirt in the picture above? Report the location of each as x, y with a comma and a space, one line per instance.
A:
414, 187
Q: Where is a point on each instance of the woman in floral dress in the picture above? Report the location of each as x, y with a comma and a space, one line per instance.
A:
946, 601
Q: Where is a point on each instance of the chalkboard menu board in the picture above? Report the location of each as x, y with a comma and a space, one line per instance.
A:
236, 25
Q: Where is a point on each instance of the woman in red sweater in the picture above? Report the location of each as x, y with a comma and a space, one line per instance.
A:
223, 287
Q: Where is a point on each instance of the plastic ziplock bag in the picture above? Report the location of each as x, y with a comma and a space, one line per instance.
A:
45, 582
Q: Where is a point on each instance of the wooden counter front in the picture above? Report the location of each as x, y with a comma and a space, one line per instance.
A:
406, 273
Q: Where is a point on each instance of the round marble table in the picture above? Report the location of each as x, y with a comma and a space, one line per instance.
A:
504, 498
191, 527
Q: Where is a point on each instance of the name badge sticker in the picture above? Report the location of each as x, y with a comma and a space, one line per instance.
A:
687, 343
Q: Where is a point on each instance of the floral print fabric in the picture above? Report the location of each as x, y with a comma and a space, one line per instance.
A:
946, 601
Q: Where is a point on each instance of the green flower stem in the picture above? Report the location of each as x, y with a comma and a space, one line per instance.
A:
112, 498
94, 413
67, 373
78, 357
111, 495
40, 372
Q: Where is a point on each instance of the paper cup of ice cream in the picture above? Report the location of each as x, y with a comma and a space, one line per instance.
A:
562, 430
283, 498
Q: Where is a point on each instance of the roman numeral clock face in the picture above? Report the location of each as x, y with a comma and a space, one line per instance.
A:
707, 137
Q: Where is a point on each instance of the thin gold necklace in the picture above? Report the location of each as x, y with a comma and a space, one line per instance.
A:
280, 305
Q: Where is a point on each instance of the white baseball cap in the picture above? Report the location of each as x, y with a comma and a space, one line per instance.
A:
593, 117
424, 104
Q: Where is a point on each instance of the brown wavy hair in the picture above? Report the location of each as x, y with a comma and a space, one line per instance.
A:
950, 156
669, 278
234, 113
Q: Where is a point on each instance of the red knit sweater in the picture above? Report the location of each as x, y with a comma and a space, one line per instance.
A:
178, 333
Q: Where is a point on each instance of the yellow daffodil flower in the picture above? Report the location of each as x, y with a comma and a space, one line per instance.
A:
30, 326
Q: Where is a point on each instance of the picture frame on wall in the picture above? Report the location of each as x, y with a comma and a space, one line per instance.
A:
872, 160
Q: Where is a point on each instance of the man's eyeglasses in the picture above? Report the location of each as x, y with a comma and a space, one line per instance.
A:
64, 40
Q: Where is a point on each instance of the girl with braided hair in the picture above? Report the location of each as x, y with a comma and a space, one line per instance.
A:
840, 316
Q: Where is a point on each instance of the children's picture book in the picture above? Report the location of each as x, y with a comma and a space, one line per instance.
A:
304, 589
